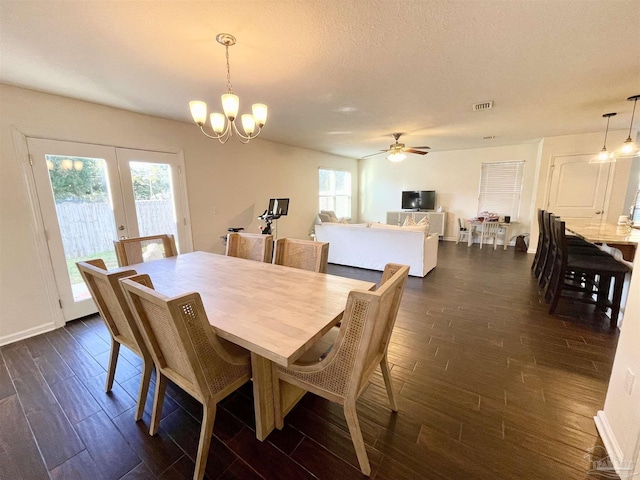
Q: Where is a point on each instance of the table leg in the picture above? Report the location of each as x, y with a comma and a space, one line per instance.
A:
262, 395
470, 236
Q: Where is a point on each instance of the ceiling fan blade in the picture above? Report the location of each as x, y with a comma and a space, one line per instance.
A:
411, 150
428, 148
374, 154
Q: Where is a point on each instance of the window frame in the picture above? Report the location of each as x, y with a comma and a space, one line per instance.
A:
334, 194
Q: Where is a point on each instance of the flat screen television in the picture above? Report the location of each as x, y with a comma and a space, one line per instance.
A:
419, 200
279, 206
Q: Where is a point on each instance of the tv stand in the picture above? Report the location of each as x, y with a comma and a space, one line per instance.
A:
437, 220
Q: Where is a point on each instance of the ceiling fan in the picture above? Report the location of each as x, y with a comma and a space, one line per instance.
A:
397, 150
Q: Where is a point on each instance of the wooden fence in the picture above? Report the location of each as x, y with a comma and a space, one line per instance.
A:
88, 228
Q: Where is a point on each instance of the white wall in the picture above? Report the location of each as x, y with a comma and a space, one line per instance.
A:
454, 175
619, 423
234, 180
589, 143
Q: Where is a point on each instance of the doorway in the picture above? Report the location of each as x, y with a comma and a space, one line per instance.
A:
90, 195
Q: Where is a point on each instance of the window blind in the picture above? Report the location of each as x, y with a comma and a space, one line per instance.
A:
501, 188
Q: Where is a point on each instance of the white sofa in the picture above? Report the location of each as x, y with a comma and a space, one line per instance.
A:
373, 247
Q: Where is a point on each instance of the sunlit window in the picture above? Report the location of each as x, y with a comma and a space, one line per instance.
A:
335, 192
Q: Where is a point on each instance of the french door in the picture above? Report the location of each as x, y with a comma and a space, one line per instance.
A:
578, 189
91, 195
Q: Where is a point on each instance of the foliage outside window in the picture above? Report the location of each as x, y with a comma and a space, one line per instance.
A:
335, 191
501, 188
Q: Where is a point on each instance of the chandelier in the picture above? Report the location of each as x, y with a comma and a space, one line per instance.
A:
223, 125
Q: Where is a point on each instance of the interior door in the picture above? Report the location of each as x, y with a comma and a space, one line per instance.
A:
578, 189
91, 195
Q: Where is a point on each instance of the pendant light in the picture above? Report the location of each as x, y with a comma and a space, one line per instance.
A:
604, 156
630, 148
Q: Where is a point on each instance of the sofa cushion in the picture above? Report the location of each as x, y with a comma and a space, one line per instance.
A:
324, 218
423, 221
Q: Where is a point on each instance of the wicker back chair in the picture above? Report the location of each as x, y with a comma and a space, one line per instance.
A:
360, 346
303, 254
252, 246
130, 251
187, 351
114, 310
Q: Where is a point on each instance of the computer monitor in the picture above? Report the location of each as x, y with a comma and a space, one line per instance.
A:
278, 206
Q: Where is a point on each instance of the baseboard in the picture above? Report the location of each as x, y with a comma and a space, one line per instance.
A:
609, 440
31, 332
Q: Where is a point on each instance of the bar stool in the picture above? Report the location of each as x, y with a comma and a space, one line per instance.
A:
585, 274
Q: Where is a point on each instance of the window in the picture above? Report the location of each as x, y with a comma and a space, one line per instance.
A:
335, 192
500, 188
635, 211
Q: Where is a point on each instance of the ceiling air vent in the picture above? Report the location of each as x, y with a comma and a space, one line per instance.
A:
482, 106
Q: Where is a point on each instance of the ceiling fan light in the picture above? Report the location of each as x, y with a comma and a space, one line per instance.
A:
198, 111
396, 157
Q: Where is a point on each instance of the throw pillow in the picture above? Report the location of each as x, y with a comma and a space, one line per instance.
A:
324, 218
423, 221
409, 221
331, 214
343, 221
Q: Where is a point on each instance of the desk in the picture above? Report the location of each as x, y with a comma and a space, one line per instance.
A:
472, 224
275, 312
623, 238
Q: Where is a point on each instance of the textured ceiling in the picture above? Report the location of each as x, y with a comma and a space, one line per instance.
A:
340, 76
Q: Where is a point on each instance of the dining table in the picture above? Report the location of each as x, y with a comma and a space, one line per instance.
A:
625, 238
275, 312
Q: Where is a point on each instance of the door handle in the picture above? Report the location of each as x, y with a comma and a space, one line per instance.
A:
121, 227
598, 212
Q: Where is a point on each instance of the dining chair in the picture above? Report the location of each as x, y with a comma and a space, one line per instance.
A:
360, 346
114, 310
130, 251
463, 231
252, 246
187, 351
538, 254
489, 231
303, 254
585, 274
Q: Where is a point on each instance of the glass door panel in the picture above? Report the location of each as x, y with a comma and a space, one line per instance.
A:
85, 215
81, 204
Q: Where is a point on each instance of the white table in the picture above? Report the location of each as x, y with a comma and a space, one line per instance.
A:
472, 224
275, 312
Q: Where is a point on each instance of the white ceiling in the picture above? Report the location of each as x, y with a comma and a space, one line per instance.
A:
340, 76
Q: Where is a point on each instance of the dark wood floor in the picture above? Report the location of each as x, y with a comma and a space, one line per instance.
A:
489, 387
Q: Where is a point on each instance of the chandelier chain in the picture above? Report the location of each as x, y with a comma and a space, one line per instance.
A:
632, 115
229, 87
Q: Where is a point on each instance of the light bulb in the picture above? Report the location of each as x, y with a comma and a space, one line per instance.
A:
230, 105
248, 124
603, 155
259, 113
66, 164
217, 122
198, 111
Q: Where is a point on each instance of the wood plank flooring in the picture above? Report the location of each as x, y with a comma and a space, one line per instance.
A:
489, 386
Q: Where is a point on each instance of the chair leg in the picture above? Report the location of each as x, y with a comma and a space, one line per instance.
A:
356, 436
147, 369
158, 400
113, 361
206, 430
617, 298
386, 374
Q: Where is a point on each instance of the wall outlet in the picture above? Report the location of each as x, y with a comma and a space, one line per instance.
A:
628, 381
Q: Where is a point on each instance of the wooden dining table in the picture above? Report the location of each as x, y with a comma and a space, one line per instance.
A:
273, 311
